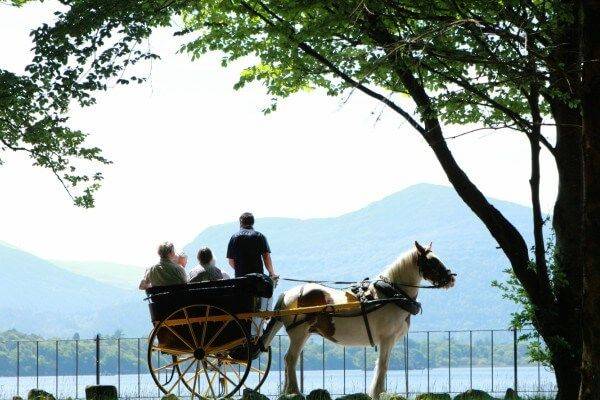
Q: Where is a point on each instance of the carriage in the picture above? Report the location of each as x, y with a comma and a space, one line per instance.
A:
206, 334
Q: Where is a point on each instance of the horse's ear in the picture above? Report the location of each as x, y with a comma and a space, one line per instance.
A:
420, 248
429, 247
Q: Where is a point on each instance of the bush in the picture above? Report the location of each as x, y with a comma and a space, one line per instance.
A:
319, 394
355, 396
39, 394
295, 396
433, 396
473, 394
250, 394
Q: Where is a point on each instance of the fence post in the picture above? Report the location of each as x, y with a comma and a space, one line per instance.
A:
138, 368
323, 356
302, 371
76, 368
119, 364
492, 346
470, 359
344, 368
97, 359
279, 355
406, 364
515, 340
428, 366
56, 369
449, 364
37, 364
18, 365
365, 369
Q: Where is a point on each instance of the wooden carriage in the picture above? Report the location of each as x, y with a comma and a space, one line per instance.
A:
204, 337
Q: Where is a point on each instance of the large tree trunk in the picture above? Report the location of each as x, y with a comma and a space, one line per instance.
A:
565, 344
590, 367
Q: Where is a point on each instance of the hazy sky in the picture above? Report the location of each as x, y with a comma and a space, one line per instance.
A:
189, 151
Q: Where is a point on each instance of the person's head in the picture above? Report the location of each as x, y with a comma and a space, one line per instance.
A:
182, 259
205, 256
247, 220
166, 250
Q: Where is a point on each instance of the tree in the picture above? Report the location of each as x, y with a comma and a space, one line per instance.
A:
590, 384
510, 65
33, 121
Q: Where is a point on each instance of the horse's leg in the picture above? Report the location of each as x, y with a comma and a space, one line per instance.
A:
298, 336
378, 384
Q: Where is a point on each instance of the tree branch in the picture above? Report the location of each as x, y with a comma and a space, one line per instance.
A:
306, 48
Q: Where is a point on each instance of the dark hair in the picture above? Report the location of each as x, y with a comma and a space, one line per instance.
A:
165, 249
247, 219
205, 255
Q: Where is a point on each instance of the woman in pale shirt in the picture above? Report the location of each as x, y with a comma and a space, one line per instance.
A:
207, 270
167, 271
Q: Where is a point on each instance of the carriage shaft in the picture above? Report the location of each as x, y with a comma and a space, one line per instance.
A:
326, 308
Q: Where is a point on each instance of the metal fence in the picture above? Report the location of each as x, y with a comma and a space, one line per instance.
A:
424, 361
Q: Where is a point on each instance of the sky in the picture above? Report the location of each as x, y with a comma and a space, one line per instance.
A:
189, 151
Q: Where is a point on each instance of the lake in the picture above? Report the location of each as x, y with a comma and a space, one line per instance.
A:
337, 382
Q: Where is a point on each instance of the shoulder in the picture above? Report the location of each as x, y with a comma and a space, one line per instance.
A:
196, 270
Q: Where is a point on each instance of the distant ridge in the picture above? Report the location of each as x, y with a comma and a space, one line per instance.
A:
38, 297
115, 274
360, 243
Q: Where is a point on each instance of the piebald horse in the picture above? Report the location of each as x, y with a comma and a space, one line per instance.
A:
387, 324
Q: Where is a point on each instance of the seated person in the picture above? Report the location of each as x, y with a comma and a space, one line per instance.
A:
182, 259
166, 272
207, 270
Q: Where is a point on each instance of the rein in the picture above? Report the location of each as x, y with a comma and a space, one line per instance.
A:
353, 282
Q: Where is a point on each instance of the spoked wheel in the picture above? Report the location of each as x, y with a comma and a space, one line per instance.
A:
212, 358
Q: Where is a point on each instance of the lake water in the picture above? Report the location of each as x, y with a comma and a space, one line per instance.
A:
337, 382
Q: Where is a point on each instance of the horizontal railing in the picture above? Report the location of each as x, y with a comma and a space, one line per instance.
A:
424, 361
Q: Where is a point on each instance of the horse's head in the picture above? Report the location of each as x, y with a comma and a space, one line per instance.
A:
432, 269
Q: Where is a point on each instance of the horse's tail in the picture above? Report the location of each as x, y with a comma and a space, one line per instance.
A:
273, 326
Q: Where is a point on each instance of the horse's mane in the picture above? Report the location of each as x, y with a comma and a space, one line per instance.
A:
404, 269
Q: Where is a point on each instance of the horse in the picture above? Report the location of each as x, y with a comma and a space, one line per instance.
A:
381, 327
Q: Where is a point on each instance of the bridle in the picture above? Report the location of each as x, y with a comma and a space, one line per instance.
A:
422, 259
421, 263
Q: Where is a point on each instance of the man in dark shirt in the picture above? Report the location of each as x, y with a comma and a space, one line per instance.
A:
248, 249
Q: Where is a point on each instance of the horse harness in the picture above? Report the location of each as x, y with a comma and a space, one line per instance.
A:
364, 291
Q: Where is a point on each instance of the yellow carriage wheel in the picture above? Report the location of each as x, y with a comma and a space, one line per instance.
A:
208, 347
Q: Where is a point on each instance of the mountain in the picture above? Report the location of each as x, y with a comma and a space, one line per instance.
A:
36, 296
119, 275
362, 243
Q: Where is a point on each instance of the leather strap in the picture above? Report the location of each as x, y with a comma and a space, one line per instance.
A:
367, 326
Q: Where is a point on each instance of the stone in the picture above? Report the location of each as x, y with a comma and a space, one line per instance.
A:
294, 396
101, 392
391, 396
355, 396
250, 394
511, 394
433, 396
473, 394
39, 394
319, 394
